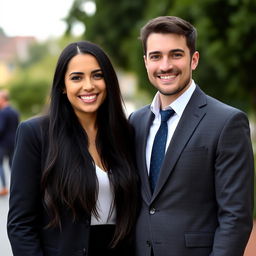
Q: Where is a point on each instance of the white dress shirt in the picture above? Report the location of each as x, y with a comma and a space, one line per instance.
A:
105, 200
178, 106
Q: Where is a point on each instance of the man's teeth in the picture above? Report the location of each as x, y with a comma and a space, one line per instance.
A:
167, 77
91, 97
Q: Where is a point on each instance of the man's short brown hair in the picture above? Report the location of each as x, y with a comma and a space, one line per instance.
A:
169, 25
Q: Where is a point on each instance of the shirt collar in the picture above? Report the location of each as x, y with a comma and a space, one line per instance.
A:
178, 105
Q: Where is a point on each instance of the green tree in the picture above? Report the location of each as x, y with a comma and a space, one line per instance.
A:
110, 26
30, 86
36, 54
226, 33
226, 29
29, 95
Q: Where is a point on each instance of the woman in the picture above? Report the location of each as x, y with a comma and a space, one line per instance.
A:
73, 185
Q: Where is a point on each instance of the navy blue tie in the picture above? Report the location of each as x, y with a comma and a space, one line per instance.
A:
158, 149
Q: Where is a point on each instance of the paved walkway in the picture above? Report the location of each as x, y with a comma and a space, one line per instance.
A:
5, 248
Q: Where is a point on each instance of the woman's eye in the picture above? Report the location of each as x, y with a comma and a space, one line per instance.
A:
75, 78
98, 76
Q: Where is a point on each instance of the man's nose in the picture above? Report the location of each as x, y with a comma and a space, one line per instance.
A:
165, 64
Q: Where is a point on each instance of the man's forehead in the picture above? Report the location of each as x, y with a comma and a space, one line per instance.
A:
157, 41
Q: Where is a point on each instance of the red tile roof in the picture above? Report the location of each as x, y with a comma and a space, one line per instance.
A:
12, 47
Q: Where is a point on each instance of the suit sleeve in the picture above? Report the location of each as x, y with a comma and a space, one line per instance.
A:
234, 178
25, 201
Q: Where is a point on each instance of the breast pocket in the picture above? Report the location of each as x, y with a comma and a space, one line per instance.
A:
196, 149
193, 159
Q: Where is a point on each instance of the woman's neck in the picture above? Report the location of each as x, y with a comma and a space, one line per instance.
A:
91, 129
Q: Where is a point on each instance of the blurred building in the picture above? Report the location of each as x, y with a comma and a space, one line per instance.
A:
11, 50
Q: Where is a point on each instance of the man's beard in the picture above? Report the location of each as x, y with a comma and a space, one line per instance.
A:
186, 83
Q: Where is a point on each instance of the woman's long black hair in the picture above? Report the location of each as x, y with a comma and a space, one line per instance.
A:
69, 177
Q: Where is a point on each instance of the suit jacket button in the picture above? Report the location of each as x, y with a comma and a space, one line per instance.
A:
87, 223
152, 211
148, 243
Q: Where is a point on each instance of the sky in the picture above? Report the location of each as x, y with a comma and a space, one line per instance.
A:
38, 18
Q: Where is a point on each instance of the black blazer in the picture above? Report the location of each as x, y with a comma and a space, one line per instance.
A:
27, 217
203, 200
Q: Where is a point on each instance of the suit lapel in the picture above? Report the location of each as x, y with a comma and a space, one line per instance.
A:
146, 121
191, 117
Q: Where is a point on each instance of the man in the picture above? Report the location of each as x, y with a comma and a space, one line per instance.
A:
9, 120
200, 201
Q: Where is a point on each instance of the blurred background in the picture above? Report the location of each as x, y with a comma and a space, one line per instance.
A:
33, 33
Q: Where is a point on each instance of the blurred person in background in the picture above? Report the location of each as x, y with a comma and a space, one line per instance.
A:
9, 120
74, 184
197, 201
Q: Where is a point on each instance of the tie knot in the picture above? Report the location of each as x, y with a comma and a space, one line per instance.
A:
166, 114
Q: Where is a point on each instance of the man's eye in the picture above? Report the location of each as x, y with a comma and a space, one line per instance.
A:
154, 57
177, 55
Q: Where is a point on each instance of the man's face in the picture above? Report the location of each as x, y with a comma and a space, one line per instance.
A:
169, 65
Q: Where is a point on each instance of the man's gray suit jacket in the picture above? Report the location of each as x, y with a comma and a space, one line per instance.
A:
203, 200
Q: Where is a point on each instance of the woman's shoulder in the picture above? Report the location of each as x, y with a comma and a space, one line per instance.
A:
31, 134
36, 121
35, 125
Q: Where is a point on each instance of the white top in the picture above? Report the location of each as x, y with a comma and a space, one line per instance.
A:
178, 106
105, 200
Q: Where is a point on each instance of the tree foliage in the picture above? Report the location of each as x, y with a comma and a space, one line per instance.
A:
226, 35
225, 40
37, 52
29, 95
31, 82
111, 26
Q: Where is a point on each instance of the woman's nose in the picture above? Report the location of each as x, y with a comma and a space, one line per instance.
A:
88, 85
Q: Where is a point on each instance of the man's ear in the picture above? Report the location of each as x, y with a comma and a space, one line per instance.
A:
194, 60
145, 60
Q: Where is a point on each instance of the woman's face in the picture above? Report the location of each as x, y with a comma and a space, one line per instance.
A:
85, 85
